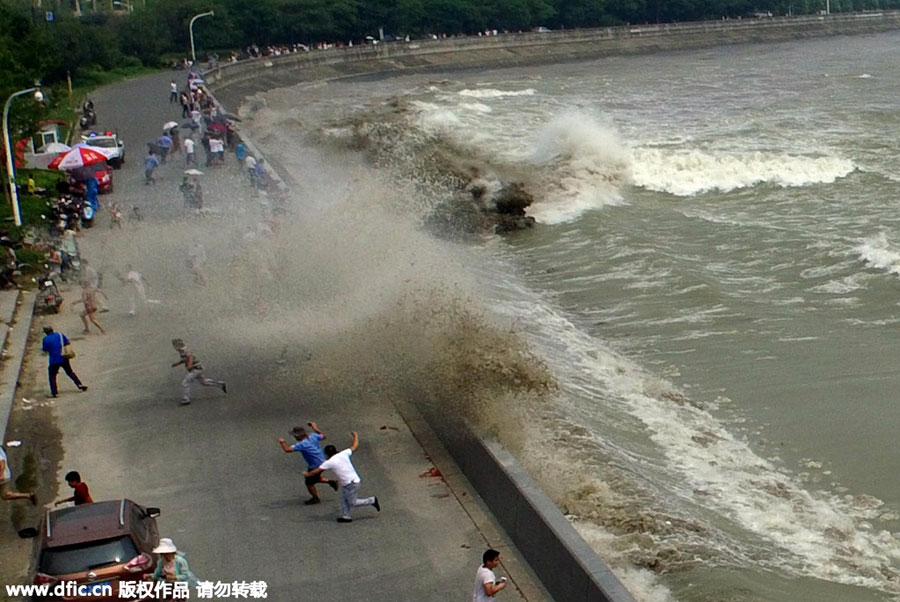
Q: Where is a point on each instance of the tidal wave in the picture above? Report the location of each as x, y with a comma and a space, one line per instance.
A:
690, 172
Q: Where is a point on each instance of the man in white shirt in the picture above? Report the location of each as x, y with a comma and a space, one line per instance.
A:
486, 584
339, 463
189, 151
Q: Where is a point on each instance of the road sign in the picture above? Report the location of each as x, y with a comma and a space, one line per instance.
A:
49, 16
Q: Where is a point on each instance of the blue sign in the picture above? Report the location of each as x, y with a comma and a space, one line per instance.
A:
49, 15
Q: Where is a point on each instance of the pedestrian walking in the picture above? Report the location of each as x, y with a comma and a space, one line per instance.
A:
54, 344
89, 300
189, 158
486, 584
176, 141
6, 492
150, 164
309, 445
194, 372
204, 140
164, 143
80, 492
185, 105
340, 464
173, 92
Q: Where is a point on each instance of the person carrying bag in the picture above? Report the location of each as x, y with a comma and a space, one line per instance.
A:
59, 349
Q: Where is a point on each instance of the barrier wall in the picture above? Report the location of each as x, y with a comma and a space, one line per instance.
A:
569, 569
535, 48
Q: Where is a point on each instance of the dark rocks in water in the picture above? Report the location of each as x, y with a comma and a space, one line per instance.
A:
511, 223
513, 199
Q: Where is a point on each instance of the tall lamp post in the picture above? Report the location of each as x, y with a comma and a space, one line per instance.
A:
10, 160
191, 29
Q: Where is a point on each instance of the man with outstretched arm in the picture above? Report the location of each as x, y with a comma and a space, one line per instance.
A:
308, 445
340, 464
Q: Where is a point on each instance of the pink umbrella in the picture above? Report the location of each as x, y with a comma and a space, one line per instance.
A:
77, 157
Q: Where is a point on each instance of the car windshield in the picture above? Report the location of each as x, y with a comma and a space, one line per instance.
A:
102, 142
86, 556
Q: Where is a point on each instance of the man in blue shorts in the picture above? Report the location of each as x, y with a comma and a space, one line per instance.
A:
308, 445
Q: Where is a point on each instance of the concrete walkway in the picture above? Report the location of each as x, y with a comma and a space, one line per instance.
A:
230, 498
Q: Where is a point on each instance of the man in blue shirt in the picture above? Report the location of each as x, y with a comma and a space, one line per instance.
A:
309, 446
150, 164
53, 344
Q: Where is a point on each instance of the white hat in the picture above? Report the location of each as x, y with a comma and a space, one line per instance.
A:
166, 546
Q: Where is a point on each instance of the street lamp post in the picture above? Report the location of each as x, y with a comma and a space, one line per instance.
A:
191, 29
10, 160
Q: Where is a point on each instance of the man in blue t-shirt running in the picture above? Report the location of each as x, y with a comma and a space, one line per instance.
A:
309, 445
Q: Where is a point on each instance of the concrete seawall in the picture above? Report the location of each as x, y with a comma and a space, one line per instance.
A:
234, 81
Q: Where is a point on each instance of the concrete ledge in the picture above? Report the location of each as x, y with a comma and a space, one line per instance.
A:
11, 366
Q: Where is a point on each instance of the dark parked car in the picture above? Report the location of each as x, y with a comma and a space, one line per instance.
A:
97, 545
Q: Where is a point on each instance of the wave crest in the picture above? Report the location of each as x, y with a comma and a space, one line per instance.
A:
689, 172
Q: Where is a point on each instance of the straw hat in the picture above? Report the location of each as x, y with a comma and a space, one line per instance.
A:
166, 546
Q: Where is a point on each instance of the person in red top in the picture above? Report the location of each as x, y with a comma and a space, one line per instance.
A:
81, 493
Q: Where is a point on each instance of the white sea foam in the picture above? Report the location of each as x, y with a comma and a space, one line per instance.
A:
586, 166
879, 253
476, 106
492, 93
689, 172
816, 534
433, 118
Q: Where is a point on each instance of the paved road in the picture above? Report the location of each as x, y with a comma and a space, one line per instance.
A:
229, 497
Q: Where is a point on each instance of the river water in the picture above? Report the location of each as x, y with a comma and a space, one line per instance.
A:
713, 284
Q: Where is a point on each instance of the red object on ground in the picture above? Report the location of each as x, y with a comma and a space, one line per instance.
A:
432, 472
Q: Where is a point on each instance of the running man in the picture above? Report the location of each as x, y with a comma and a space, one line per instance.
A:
340, 463
89, 300
308, 445
194, 372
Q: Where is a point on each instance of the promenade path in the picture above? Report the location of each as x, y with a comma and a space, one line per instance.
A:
230, 498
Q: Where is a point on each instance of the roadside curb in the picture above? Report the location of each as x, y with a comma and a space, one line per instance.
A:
11, 368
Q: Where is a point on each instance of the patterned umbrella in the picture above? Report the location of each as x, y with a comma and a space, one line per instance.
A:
77, 157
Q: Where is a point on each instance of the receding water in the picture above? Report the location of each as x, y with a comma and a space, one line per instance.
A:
713, 283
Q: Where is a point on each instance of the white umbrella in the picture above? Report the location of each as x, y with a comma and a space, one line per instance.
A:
55, 147
193, 172
169, 125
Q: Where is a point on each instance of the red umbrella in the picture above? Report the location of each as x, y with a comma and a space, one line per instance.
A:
77, 157
217, 127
